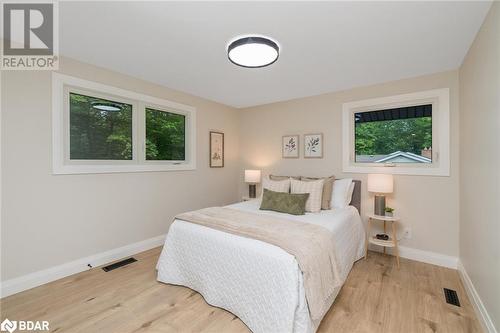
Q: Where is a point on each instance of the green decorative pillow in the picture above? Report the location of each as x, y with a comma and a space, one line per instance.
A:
290, 203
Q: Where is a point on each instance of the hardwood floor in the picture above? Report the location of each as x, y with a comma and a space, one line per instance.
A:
377, 297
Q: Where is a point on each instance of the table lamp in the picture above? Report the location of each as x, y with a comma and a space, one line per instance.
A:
380, 184
252, 177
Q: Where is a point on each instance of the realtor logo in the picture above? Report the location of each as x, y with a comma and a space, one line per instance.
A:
29, 33
8, 325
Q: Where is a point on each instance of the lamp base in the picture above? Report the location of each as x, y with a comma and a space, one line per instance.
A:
379, 208
252, 190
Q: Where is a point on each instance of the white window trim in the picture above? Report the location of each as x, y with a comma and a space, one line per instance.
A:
60, 133
440, 166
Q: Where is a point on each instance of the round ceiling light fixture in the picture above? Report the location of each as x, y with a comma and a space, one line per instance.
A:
103, 106
253, 51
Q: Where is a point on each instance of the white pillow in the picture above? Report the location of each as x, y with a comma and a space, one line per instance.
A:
340, 193
276, 185
315, 190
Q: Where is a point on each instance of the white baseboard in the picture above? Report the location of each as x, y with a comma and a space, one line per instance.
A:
478, 305
423, 256
36, 279
428, 257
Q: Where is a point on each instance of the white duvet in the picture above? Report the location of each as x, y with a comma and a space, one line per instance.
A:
258, 282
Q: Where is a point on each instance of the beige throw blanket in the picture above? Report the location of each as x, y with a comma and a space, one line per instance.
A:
311, 245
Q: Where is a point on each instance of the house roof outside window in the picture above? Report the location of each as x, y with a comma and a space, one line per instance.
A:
396, 157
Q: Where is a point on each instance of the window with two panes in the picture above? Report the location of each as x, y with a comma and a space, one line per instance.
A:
102, 129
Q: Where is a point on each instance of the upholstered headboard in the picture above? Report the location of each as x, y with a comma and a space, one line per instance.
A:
356, 195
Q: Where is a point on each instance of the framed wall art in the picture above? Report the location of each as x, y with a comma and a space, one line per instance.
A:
313, 145
216, 149
290, 146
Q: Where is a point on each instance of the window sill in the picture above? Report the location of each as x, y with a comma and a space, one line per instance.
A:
88, 169
399, 170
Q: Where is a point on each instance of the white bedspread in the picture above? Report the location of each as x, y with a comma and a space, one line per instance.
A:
258, 282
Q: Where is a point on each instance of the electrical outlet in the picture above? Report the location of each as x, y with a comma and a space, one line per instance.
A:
407, 233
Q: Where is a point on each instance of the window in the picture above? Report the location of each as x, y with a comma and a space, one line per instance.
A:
99, 129
403, 134
398, 135
165, 135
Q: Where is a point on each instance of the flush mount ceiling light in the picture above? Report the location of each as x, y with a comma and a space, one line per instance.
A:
107, 106
253, 51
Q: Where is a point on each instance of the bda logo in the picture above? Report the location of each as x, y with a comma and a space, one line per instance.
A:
8, 325
23, 325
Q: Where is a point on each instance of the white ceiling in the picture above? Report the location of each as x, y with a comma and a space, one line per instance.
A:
326, 46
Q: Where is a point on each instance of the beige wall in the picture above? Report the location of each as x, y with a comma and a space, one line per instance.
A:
480, 163
49, 220
428, 205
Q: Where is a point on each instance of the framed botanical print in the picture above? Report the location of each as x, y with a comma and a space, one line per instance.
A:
290, 146
313, 145
216, 150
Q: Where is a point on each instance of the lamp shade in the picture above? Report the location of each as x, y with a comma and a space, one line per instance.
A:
378, 183
252, 176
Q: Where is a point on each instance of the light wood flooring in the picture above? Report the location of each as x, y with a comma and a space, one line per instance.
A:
377, 297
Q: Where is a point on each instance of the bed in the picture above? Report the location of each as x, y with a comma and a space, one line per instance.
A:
260, 283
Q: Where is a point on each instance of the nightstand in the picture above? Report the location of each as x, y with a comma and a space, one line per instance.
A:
393, 239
